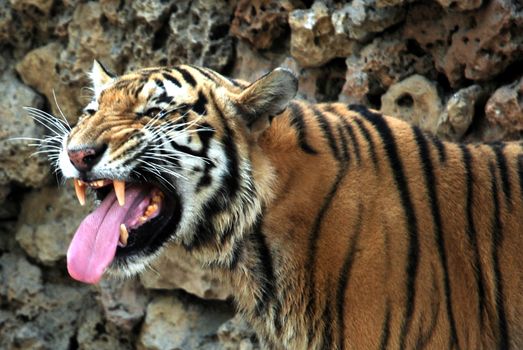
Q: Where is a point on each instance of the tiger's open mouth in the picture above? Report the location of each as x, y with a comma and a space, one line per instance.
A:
132, 219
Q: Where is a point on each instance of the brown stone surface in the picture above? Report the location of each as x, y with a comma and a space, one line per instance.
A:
181, 270
505, 107
262, 22
475, 45
415, 100
314, 40
48, 220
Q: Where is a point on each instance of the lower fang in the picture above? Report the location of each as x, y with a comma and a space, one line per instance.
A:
124, 235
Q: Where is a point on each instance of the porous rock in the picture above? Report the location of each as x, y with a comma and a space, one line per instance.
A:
40, 69
505, 108
314, 40
15, 156
361, 19
56, 313
43, 5
96, 333
20, 280
123, 301
383, 62
48, 221
475, 45
462, 5
415, 100
199, 34
261, 22
458, 114
151, 11
50, 311
181, 270
178, 321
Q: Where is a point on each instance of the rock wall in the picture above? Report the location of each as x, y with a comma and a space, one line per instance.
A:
453, 67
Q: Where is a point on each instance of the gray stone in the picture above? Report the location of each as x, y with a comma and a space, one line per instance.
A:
237, 334
95, 333
199, 34
362, 19
20, 280
15, 156
123, 302
459, 111
180, 322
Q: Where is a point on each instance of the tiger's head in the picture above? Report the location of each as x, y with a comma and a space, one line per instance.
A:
171, 155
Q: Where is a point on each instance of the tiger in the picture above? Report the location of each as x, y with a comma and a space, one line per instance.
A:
338, 227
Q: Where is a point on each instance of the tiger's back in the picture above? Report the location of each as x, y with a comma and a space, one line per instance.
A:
339, 228
404, 241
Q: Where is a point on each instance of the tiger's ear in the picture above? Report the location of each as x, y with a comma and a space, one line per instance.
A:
267, 97
100, 77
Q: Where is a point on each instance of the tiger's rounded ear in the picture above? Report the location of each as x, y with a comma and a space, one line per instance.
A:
267, 97
100, 77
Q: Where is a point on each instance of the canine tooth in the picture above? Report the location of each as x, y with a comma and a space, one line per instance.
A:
142, 219
79, 188
124, 234
119, 189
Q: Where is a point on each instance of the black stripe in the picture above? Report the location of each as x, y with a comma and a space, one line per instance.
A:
315, 233
424, 339
501, 162
385, 328
472, 232
354, 140
186, 76
344, 277
172, 79
366, 134
440, 147
200, 106
204, 73
327, 132
430, 185
389, 144
497, 239
327, 325
296, 115
264, 268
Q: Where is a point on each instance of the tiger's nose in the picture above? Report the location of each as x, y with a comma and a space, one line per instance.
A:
85, 158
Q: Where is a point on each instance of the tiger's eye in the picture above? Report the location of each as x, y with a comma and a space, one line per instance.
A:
152, 112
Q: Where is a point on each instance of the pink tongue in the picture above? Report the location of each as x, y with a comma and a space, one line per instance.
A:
94, 244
